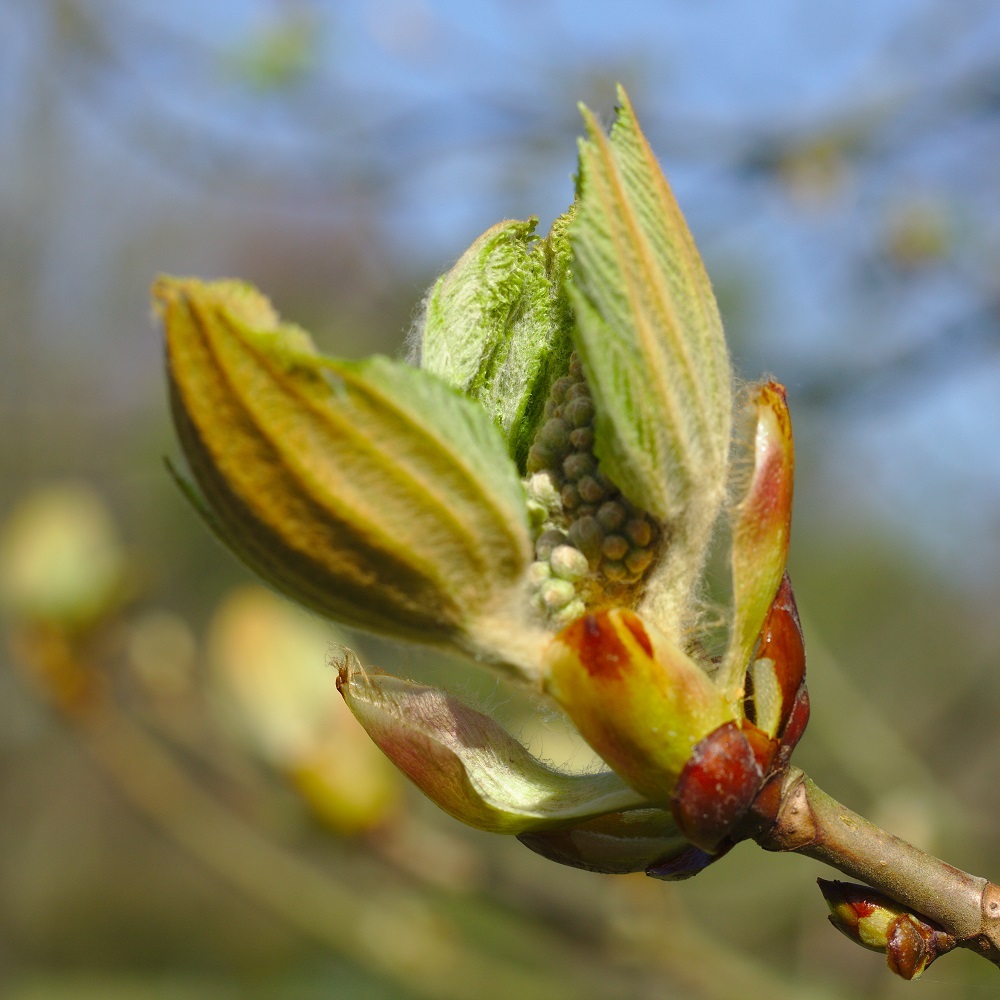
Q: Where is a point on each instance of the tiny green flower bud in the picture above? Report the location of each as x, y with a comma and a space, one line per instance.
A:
547, 541
542, 490
577, 465
554, 435
556, 594
570, 497
570, 613
591, 489
614, 570
537, 513
638, 561
611, 515
586, 534
614, 547
569, 563
639, 532
559, 389
580, 412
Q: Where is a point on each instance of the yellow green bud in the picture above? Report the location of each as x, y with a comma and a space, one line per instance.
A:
636, 698
61, 560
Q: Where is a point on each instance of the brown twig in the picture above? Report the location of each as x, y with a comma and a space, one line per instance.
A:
811, 823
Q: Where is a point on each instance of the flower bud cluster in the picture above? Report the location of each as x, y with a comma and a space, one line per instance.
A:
592, 544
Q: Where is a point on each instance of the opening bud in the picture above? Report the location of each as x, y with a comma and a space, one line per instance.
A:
636, 698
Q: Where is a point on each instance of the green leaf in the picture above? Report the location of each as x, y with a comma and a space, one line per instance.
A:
650, 336
495, 327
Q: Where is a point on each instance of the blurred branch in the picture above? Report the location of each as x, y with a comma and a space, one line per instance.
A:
394, 931
378, 928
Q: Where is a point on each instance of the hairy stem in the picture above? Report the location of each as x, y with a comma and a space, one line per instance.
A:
812, 823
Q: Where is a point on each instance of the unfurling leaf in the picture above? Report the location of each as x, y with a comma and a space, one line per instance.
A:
761, 527
467, 763
649, 333
369, 491
496, 327
615, 844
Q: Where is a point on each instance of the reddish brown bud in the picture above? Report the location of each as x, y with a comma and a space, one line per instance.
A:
781, 642
716, 787
796, 724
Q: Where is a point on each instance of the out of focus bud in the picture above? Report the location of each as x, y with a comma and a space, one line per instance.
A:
875, 921
273, 685
917, 233
61, 561
816, 169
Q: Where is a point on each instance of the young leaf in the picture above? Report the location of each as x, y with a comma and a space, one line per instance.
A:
369, 491
648, 331
493, 326
761, 528
615, 844
467, 763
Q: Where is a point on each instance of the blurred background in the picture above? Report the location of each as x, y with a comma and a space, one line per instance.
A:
184, 809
